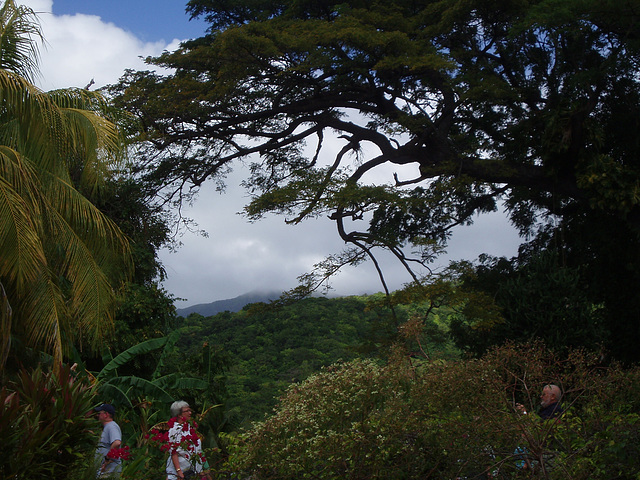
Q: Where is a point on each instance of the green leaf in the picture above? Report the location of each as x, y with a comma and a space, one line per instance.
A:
130, 353
141, 386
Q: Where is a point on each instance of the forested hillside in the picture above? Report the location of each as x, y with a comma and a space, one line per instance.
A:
267, 348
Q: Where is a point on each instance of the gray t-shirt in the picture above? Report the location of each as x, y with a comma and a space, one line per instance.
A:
110, 433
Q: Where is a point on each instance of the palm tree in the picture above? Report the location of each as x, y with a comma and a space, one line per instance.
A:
60, 257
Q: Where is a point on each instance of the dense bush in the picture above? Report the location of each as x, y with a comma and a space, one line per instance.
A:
46, 425
454, 419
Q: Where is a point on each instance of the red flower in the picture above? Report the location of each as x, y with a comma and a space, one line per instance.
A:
117, 453
185, 438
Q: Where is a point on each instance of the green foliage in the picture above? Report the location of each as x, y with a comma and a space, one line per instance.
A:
269, 348
20, 29
538, 298
265, 348
143, 400
451, 420
46, 424
145, 310
473, 104
120, 390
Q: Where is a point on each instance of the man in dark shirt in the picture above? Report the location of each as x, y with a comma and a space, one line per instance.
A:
550, 408
550, 402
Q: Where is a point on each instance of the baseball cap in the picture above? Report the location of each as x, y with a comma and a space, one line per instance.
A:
105, 407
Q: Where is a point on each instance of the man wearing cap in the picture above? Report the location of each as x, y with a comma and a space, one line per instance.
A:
111, 438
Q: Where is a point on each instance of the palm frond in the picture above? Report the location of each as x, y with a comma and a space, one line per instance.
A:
31, 123
90, 293
20, 33
96, 141
43, 316
62, 259
23, 257
97, 231
5, 325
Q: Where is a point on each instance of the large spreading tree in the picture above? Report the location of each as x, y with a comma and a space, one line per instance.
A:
534, 105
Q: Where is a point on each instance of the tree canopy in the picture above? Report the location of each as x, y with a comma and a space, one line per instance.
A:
529, 104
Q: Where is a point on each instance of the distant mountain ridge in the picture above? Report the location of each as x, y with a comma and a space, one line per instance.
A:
232, 304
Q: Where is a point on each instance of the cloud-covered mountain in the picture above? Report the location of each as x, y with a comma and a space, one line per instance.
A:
231, 304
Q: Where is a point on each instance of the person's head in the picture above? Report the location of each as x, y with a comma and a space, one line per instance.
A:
105, 412
180, 409
550, 394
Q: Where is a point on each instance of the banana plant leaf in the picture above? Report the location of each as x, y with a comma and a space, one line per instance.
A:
114, 394
141, 387
126, 356
121, 388
172, 338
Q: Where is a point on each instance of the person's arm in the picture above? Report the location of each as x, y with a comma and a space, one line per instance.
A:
176, 464
115, 444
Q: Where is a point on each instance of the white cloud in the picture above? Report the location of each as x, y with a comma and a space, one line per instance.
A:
82, 47
39, 6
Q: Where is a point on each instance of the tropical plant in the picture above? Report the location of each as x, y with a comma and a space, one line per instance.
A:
62, 259
46, 425
121, 390
144, 400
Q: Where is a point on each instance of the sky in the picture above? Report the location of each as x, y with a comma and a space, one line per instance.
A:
97, 40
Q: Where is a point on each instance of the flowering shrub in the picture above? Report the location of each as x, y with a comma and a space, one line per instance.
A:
119, 453
455, 419
185, 438
159, 438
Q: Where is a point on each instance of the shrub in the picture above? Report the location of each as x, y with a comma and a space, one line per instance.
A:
46, 425
456, 419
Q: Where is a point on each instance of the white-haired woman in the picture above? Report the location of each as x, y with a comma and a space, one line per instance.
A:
186, 459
